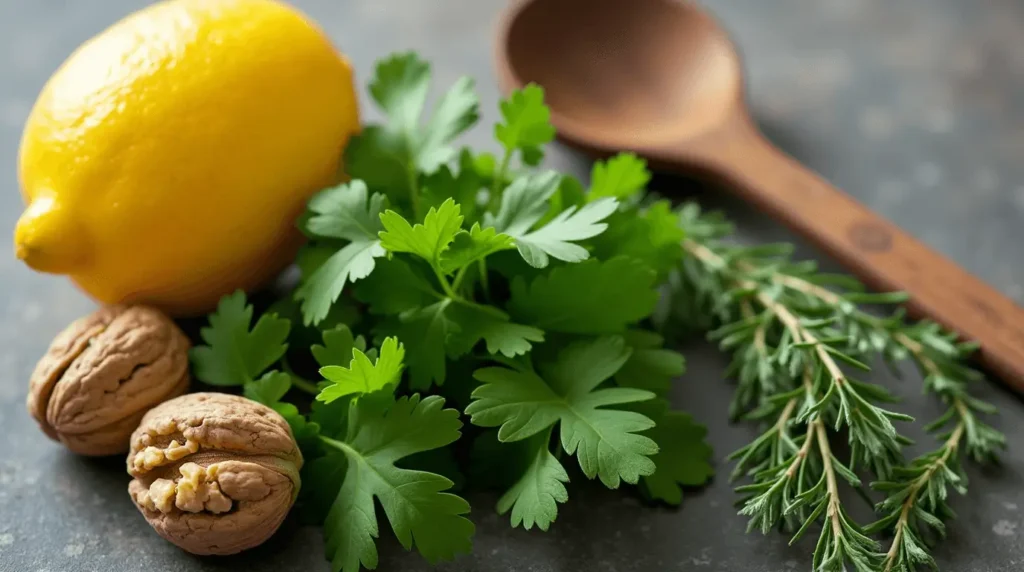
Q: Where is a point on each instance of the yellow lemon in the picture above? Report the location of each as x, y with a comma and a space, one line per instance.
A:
167, 159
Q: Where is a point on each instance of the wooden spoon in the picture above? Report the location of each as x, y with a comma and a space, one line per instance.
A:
662, 79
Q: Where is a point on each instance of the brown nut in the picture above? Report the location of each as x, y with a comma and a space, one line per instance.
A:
214, 473
101, 375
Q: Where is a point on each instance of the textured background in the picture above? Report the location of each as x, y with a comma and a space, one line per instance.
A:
916, 107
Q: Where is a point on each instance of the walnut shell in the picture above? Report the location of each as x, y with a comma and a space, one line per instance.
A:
101, 375
214, 473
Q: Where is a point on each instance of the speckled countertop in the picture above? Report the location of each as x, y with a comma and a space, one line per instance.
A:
916, 107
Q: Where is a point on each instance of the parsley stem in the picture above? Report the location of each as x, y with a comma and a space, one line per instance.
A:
339, 445
499, 178
484, 308
458, 278
483, 279
445, 286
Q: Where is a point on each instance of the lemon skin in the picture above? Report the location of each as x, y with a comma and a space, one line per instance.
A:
167, 159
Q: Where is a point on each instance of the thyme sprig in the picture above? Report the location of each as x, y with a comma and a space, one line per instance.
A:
794, 333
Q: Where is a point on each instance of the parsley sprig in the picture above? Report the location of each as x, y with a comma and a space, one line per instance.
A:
438, 275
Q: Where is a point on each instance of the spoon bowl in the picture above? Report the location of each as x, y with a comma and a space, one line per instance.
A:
620, 77
661, 78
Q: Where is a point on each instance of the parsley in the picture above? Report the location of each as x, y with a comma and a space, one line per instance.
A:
606, 441
384, 430
235, 353
592, 297
621, 177
391, 157
344, 212
362, 375
439, 275
526, 126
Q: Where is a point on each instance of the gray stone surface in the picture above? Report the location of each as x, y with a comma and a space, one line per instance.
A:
916, 107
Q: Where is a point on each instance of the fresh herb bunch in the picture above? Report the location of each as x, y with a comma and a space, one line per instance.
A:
795, 335
516, 293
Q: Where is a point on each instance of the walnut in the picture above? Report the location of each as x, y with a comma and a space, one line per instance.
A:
214, 473
101, 375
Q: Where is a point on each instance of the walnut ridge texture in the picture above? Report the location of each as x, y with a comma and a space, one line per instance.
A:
103, 372
214, 473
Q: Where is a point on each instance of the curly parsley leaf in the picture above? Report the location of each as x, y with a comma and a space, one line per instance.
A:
235, 354
649, 366
592, 297
526, 125
268, 389
534, 498
363, 376
427, 239
606, 442
684, 456
620, 177
390, 157
343, 212
422, 514
556, 238
469, 246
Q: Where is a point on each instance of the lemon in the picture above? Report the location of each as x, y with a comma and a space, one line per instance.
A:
167, 159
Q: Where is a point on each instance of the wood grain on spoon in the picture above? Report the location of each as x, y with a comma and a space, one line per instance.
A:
661, 78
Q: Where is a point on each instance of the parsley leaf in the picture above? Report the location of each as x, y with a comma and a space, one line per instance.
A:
606, 442
620, 177
389, 157
383, 431
527, 123
424, 331
570, 193
651, 235
534, 498
268, 389
233, 353
362, 376
650, 366
427, 240
592, 297
683, 458
524, 202
351, 263
456, 112
344, 212
554, 238
337, 347
492, 326
476, 244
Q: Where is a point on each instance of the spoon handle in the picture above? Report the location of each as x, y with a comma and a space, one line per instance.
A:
875, 250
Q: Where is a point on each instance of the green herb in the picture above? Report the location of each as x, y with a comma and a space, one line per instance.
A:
470, 272
539, 306
235, 354
794, 343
